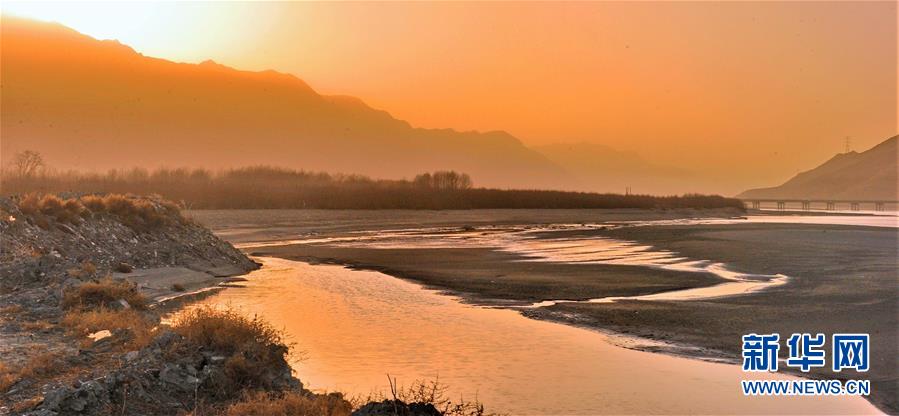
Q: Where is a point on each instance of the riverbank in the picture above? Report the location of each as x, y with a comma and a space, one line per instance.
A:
841, 279
81, 279
83, 283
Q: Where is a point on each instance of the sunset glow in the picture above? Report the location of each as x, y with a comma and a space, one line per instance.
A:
449, 208
708, 87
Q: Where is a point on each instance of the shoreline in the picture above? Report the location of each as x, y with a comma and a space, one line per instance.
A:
413, 314
660, 339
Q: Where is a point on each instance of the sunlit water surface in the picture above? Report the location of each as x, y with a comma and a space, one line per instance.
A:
354, 327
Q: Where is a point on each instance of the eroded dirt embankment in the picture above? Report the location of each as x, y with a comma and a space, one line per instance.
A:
70, 268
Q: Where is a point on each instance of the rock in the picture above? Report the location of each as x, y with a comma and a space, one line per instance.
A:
397, 407
131, 356
96, 336
165, 339
89, 396
178, 377
120, 304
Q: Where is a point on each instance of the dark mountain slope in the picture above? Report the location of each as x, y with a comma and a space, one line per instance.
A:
93, 104
869, 175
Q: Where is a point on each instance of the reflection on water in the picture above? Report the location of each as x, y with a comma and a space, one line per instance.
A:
601, 250
523, 241
356, 326
880, 219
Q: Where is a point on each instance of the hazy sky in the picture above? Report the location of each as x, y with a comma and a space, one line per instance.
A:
748, 91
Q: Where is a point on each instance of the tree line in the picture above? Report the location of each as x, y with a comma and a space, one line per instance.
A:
266, 187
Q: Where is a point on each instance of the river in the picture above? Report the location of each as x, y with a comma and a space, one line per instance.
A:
351, 328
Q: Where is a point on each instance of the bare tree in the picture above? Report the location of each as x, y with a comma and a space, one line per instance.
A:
443, 180
28, 163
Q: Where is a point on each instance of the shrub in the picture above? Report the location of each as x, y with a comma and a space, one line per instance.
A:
87, 269
41, 365
254, 351
8, 376
85, 322
225, 330
102, 293
41, 207
136, 212
421, 395
93, 203
30, 204
291, 403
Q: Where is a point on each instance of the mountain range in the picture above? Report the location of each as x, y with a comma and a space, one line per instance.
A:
94, 105
869, 175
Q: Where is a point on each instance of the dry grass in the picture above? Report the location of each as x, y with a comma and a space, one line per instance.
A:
8, 376
11, 309
42, 365
27, 404
252, 348
139, 213
426, 392
291, 403
136, 212
102, 293
37, 326
84, 322
40, 207
225, 330
85, 270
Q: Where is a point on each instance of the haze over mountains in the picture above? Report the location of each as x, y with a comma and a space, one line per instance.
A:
869, 175
96, 105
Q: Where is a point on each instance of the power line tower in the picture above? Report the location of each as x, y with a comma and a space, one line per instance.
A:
848, 145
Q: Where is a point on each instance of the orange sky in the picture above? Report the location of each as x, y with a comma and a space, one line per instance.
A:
752, 92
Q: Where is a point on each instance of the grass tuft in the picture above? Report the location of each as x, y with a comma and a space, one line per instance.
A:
138, 213
82, 323
291, 403
102, 293
85, 270
253, 350
39, 366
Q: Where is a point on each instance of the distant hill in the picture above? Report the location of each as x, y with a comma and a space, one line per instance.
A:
602, 168
869, 175
90, 104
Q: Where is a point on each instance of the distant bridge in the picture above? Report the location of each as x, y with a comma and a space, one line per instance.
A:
827, 204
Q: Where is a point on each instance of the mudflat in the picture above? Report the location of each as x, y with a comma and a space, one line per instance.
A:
250, 225
485, 276
841, 278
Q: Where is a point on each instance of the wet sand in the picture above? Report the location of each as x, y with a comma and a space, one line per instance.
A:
489, 277
842, 279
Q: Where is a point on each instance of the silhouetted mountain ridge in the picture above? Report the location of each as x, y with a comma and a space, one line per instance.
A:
96, 105
869, 175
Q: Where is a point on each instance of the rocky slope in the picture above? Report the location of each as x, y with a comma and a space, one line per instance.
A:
52, 249
84, 281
